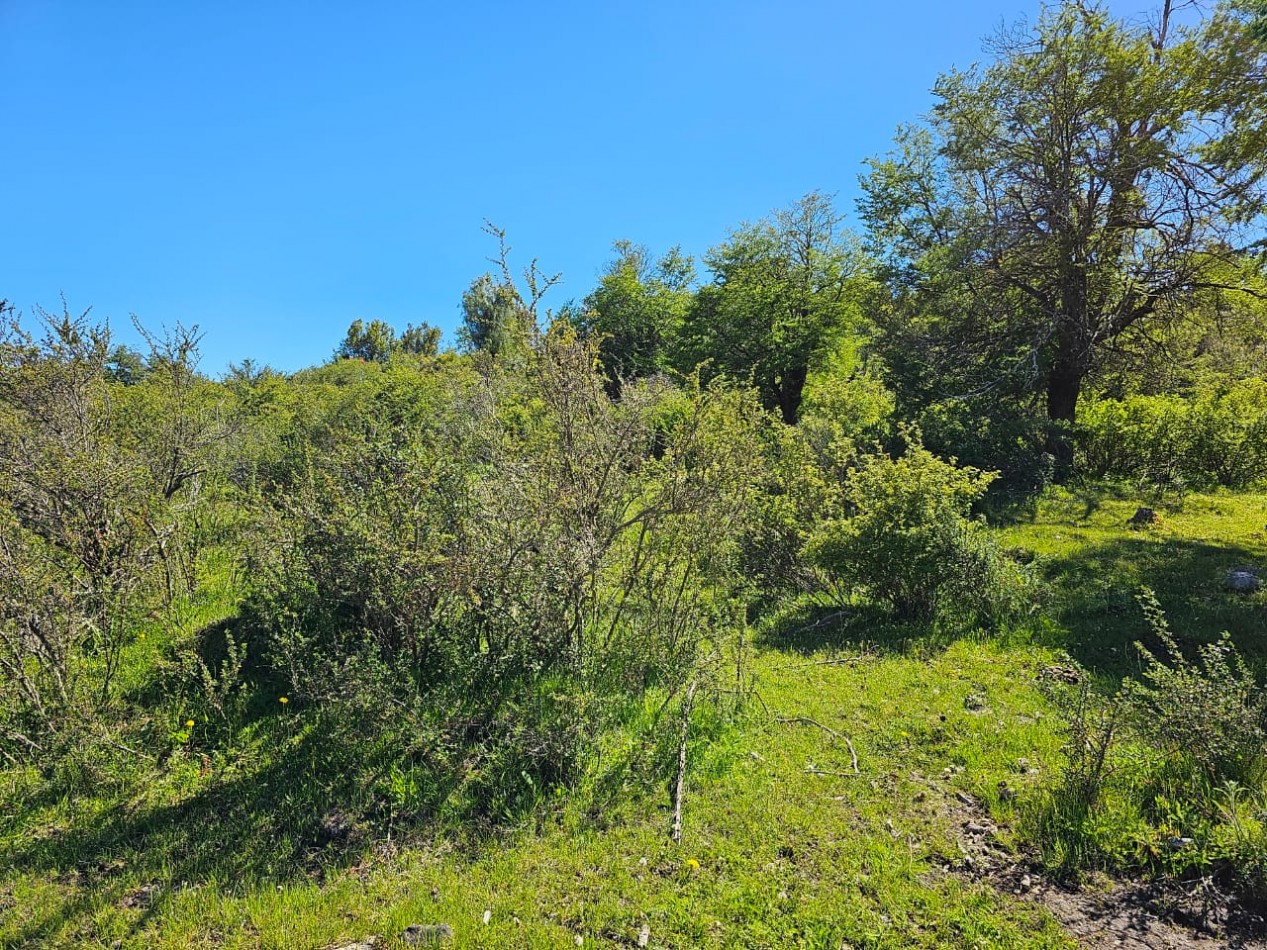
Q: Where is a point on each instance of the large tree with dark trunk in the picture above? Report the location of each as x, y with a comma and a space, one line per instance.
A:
783, 291
1083, 185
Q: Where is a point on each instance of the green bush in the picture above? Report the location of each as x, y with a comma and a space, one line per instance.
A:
1208, 716
1168, 772
498, 562
97, 508
1215, 437
908, 540
994, 435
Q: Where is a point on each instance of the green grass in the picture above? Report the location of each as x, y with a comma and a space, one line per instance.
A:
786, 857
1096, 565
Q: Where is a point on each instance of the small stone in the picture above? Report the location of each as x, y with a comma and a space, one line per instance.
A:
965, 798
488, 917
1143, 516
644, 935
579, 940
1178, 843
1026, 883
427, 935
1242, 582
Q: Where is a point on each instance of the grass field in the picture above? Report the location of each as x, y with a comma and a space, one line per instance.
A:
784, 844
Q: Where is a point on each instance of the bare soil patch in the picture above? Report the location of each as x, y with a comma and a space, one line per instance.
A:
1106, 912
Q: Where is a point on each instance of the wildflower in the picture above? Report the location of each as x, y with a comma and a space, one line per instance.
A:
692, 864
283, 699
189, 724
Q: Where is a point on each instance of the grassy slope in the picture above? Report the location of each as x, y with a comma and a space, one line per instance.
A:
785, 857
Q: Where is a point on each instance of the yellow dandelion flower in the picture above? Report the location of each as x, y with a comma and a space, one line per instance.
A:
692, 864
189, 724
283, 699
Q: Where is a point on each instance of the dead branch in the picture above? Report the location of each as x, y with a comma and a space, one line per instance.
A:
681, 763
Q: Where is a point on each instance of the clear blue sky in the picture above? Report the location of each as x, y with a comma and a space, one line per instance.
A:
273, 170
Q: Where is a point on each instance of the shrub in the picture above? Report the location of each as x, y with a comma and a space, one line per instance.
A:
1208, 716
993, 435
1167, 772
496, 562
1216, 437
908, 540
83, 534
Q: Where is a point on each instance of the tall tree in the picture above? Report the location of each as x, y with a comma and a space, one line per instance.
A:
377, 342
783, 292
421, 340
373, 342
1080, 187
636, 310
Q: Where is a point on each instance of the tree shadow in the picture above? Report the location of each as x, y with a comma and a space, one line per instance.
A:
1098, 616
307, 808
276, 823
1077, 502
811, 629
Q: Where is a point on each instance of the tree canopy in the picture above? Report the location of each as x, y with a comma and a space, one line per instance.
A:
1079, 188
783, 292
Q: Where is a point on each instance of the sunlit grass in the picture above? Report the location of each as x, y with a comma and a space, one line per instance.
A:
783, 846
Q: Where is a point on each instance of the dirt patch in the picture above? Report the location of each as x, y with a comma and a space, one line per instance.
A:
1107, 912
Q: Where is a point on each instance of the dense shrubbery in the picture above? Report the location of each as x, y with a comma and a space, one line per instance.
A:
101, 486
908, 540
446, 579
1169, 771
491, 561
1217, 437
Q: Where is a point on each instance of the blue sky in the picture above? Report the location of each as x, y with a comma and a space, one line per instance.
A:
273, 170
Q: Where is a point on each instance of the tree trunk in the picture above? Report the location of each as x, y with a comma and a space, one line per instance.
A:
791, 388
1064, 385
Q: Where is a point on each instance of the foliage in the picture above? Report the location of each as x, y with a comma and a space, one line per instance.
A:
1168, 771
1083, 185
90, 512
636, 310
784, 292
908, 540
1210, 715
377, 341
1217, 436
498, 317
489, 561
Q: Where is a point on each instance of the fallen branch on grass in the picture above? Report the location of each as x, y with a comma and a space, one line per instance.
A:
853, 755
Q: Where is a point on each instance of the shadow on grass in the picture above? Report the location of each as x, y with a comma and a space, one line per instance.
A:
809, 628
1081, 501
276, 823
1095, 590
